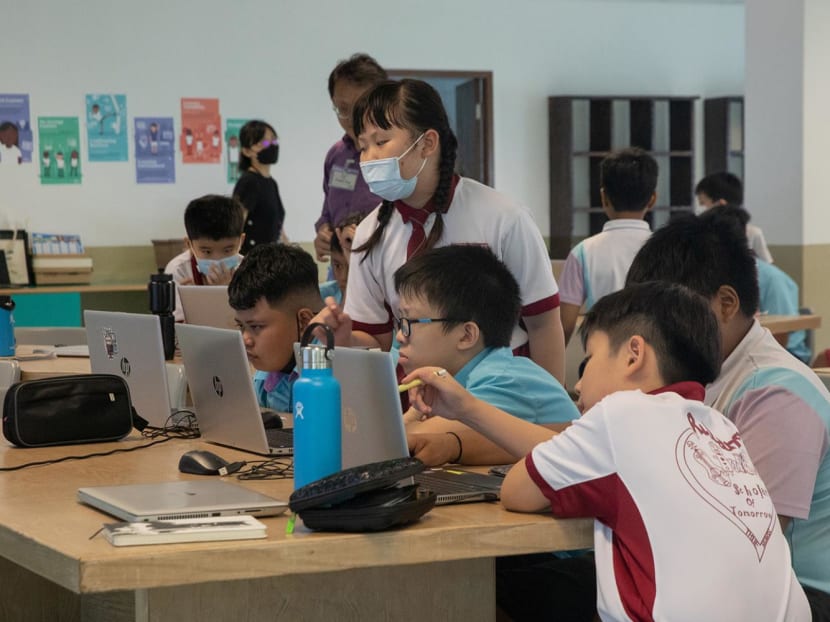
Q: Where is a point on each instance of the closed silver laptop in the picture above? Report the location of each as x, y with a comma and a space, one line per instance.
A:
179, 499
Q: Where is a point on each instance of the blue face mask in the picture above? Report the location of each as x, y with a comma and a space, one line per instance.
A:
229, 263
384, 176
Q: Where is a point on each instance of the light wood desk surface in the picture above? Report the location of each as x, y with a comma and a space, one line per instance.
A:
439, 568
97, 288
788, 323
49, 368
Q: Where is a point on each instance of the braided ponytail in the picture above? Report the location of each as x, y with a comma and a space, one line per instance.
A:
441, 197
387, 208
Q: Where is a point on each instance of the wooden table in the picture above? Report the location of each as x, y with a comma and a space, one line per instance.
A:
441, 568
788, 323
96, 288
58, 366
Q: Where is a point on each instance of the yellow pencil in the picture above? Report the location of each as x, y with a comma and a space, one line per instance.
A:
410, 385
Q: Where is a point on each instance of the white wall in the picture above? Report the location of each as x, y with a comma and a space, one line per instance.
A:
271, 58
816, 226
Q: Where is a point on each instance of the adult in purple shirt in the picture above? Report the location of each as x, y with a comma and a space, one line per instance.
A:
346, 193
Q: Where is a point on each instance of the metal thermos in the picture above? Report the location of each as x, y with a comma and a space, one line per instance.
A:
162, 292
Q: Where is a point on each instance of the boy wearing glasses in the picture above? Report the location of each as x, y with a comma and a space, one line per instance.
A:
345, 190
458, 307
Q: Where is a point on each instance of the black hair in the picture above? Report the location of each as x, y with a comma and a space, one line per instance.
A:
703, 253
722, 186
335, 243
629, 178
467, 283
352, 219
215, 217
249, 135
275, 272
730, 215
416, 106
359, 69
677, 323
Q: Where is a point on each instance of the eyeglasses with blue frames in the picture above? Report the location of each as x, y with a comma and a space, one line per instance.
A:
404, 324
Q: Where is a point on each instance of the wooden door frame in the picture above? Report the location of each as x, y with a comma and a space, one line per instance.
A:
487, 106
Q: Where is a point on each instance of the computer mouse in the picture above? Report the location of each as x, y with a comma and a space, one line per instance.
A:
270, 418
200, 462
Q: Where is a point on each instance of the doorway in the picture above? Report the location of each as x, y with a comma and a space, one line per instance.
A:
468, 99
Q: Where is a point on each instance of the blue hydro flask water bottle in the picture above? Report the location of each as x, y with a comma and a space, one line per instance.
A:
6, 326
316, 408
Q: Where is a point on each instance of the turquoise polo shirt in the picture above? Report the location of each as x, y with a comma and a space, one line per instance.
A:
517, 385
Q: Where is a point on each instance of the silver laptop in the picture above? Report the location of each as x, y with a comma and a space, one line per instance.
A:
129, 345
207, 305
373, 428
219, 377
179, 499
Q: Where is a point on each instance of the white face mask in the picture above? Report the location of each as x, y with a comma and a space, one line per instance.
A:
384, 176
230, 263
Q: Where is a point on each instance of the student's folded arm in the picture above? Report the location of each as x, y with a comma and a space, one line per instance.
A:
441, 395
519, 493
475, 448
547, 342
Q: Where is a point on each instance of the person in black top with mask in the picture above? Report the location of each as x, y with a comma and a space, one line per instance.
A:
256, 189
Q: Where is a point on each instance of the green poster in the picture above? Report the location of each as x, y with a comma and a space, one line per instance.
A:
60, 150
232, 127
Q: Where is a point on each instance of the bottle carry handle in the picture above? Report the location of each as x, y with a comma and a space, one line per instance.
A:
307, 336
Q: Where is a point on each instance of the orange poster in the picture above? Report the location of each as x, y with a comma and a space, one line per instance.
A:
201, 138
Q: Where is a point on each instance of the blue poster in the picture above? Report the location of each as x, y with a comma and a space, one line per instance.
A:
16, 142
154, 150
106, 127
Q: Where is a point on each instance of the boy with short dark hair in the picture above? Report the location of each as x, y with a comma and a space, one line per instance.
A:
780, 406
597, 266
724, 188
679, 510
214, 226
778, 291
458, 307
275, 294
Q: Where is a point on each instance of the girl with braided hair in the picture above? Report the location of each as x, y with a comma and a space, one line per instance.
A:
407, 157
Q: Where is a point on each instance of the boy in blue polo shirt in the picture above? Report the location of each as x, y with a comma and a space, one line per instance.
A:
458, 307
275, 294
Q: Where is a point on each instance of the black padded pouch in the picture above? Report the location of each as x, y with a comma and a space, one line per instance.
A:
370, 497
67, 410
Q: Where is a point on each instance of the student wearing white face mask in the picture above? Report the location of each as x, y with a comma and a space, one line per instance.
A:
214, 236
407, 157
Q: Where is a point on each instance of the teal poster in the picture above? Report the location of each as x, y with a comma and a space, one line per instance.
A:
232, 128
60, 150
106, 128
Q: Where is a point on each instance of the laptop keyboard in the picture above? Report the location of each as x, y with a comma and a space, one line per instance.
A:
443, 484
280, 437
